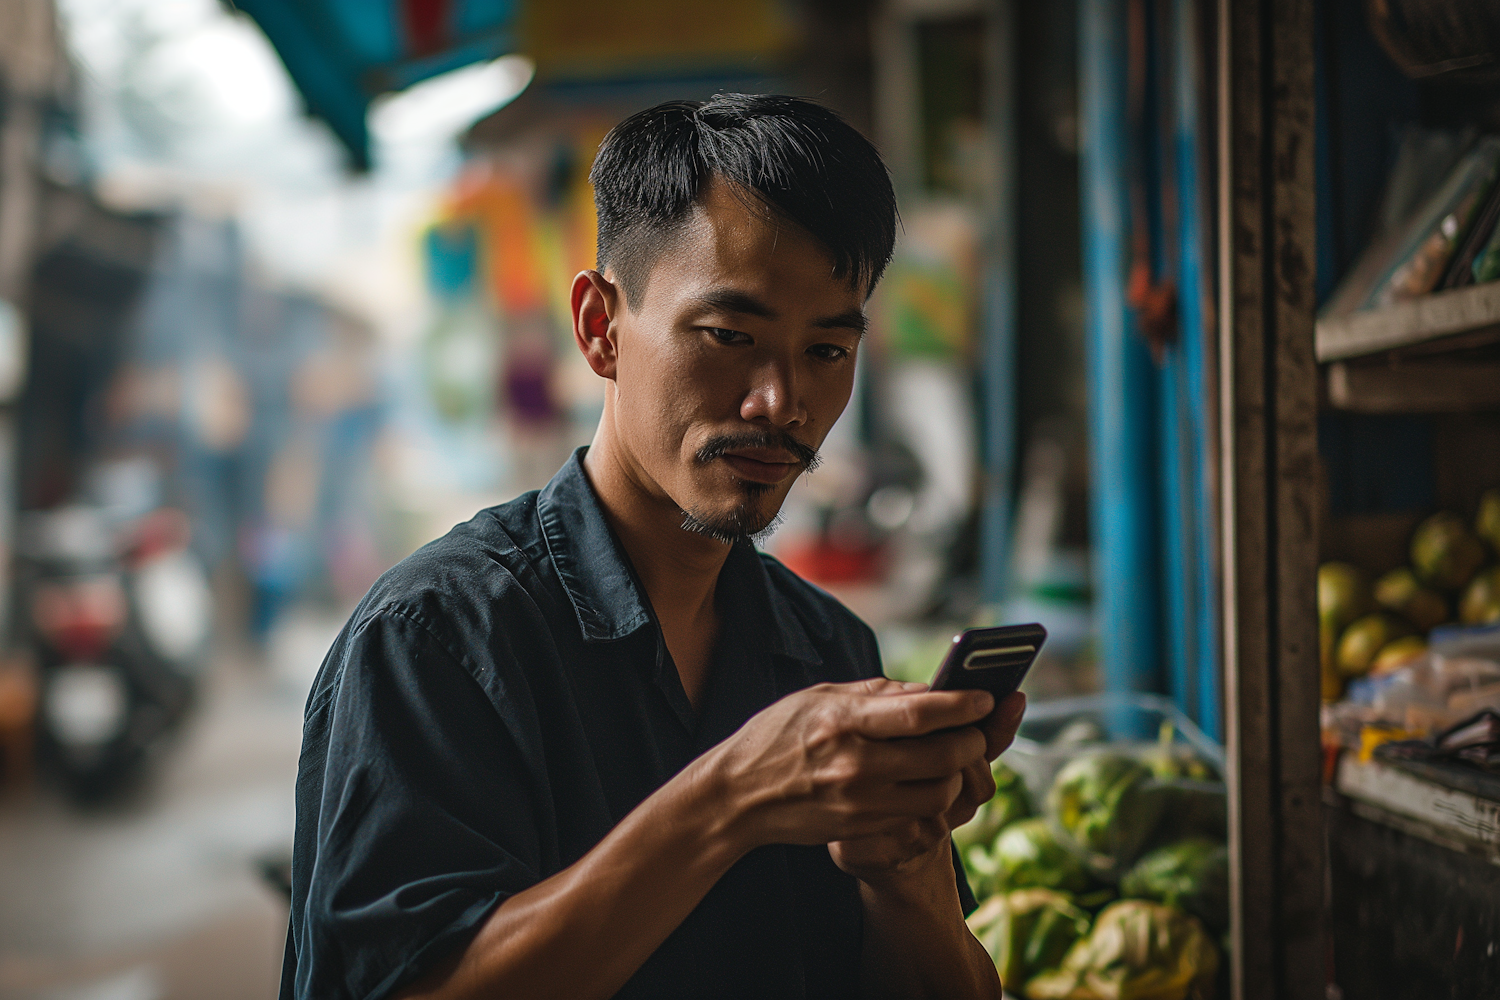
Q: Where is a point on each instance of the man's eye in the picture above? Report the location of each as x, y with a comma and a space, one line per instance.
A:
724, 336
829, 352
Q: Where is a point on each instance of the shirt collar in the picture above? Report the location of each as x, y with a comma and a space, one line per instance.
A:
593, 569
606, 598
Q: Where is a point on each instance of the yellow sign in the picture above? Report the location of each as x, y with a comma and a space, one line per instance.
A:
599, 38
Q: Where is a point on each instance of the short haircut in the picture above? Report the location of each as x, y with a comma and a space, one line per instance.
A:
798, 157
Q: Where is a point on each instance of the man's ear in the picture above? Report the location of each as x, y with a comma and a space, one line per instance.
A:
596, 303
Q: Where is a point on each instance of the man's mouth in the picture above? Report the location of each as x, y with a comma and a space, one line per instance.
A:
762, 466
766, 457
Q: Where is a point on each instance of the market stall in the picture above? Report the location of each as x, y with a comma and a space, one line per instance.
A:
1409, 496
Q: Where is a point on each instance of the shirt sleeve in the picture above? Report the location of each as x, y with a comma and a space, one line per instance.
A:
966, 900
414, 819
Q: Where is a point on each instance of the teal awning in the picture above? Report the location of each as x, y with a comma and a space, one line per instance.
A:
343, 53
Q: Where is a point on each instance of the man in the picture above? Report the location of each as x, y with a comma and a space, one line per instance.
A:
591, 743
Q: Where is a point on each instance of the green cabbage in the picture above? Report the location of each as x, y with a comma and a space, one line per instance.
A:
1106, 806
1192, 809
1192, 874
1010, 803
1137, 950
1028, 930
1171, 761
1027, 855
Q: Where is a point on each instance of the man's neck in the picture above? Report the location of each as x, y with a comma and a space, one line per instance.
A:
678, 569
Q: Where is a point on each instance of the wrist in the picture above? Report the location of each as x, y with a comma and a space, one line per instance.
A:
926, 883
713, 799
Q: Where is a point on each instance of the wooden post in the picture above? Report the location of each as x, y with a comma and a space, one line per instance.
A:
1268, 403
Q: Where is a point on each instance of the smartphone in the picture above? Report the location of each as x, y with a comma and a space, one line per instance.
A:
990, 659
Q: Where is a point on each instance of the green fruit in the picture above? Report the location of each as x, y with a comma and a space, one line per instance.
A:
1400, 591
1481, 603
1398, 653
1445, 552
1487, 523
1342, 593
1363, 639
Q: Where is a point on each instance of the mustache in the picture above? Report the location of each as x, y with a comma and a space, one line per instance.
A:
722, 444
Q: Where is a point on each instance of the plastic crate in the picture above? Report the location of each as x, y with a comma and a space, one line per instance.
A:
1130, 723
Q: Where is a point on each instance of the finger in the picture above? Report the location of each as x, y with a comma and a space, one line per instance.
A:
979, 783
925, 800
891, 687
919, 713
924, 757
874, 811
876, 686
979, 788
884, 852
1002, 724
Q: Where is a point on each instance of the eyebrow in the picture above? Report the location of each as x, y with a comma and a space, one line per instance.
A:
730, 300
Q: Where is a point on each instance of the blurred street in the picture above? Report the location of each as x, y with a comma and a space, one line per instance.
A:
161, 897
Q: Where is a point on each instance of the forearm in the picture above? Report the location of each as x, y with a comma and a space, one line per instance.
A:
583, 932
916, 943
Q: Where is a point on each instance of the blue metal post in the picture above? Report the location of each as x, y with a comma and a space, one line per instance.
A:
1200, 527
1156, 144
1120, 374
1177, 528
998, 305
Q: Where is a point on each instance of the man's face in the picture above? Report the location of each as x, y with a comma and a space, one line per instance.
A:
735, 365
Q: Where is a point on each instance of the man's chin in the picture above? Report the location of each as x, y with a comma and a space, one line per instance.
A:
745, 522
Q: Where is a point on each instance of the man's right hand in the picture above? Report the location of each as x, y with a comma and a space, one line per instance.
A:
842, 761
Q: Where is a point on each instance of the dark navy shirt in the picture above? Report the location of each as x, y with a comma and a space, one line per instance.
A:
496, 704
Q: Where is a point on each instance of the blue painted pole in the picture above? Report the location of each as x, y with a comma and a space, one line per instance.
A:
998, 313
1201, 527
1174, 471
1177, 528
1120, 375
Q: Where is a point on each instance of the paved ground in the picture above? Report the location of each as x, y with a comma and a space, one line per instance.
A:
160, 899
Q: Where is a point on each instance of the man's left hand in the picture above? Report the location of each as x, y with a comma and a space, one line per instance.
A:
879, 859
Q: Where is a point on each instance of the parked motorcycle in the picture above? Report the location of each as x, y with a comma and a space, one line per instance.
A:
118, 617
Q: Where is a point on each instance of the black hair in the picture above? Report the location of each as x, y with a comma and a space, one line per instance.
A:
799, 158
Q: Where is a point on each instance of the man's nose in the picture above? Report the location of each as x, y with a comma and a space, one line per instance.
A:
774, 397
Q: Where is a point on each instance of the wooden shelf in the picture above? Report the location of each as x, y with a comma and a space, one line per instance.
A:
1442, 314
1446, 816
1414, 388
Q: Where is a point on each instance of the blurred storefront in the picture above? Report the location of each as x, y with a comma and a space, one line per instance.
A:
36, 81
